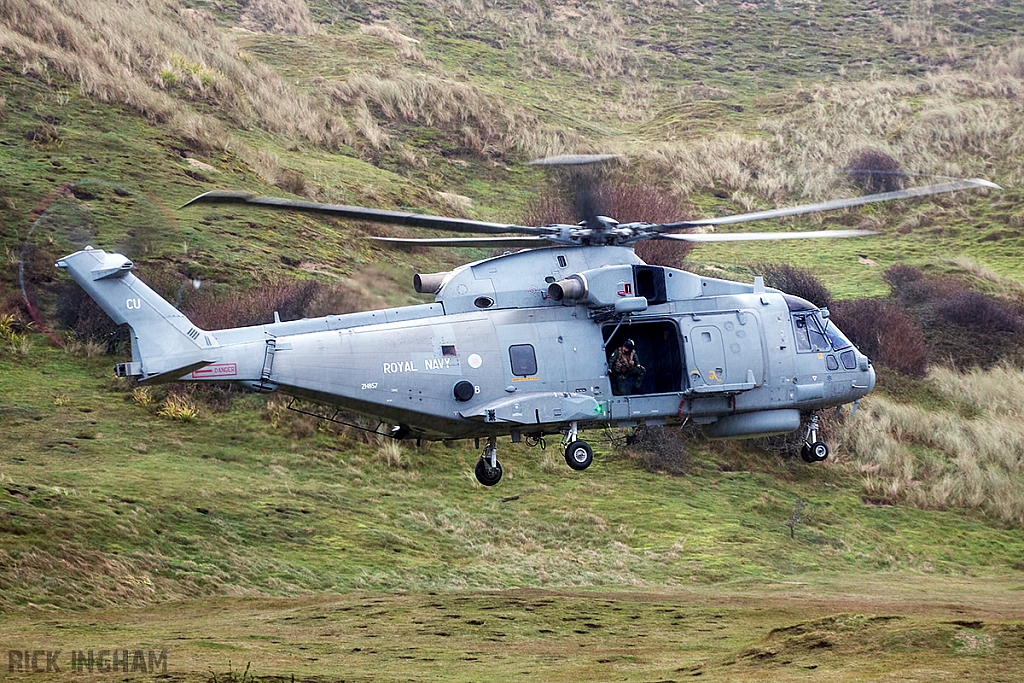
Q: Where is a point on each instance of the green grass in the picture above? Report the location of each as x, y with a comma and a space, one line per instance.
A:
914, 629
231, 502
244, 536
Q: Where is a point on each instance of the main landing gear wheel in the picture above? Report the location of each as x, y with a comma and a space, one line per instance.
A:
488, 469
487, 475
579, 455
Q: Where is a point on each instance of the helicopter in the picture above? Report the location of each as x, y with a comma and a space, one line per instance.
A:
527, 344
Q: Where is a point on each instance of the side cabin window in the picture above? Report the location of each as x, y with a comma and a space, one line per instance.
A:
524, 360
809, 337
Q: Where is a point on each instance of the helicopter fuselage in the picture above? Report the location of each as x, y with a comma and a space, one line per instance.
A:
519, 344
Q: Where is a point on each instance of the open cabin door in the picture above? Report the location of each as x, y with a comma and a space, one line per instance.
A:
724, 352
658, 350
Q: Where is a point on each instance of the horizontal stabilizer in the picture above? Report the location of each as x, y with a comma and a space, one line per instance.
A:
174, 374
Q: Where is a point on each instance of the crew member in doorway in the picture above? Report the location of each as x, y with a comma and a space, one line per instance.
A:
626, 372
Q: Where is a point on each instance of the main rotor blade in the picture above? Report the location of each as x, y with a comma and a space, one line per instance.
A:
487, 242
574, 159
760, 236
363, 214
833, 205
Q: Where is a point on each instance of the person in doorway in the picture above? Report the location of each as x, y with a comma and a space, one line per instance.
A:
624, 367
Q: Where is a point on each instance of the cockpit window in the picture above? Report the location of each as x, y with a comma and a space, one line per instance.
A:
809, 337
838, 339
795, 303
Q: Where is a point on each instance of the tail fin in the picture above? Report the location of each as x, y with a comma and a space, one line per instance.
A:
165, 344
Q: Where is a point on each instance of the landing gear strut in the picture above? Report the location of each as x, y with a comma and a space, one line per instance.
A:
488, 469
813, 450
578, 454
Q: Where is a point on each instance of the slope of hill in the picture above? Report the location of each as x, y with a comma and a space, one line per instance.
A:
113, 114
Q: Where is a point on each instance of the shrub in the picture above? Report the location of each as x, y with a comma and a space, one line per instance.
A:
670, 253
874, 171
978, 311
796, 281
961, 326
581, 192
658, 449
885, 332
898, 276
77, 312
253, 306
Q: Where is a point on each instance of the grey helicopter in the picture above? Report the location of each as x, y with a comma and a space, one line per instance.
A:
571, 332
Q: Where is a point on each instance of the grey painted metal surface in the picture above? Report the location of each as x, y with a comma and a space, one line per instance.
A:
713, 349
529, 343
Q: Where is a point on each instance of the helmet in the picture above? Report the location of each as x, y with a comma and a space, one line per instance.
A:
629, 344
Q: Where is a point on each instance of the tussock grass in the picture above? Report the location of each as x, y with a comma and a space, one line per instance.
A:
486, 123
168, 63
936, 459
408, 47
179, 407
983, 278
592, 39
278, 16
961, 123
390, 453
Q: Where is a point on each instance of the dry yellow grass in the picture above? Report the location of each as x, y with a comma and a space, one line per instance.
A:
279, 16
486, 122
938, 458
963, 122
588, 38
161, 59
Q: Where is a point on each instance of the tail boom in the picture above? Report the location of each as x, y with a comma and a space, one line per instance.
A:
165, 344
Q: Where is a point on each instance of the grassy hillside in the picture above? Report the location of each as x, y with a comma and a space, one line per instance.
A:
267, 533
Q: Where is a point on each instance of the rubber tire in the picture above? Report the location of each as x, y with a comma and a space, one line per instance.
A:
487, 475
819, 451
579, 455
806, 454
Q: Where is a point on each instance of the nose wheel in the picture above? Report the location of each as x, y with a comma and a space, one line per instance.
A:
813, 450
488, 469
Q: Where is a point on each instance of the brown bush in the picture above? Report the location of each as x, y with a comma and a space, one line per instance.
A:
670, 253
961, 326
885, 332
874, 171
659, 449
585, 194
898, 276
978, 311
253, 306
77, 312
796, 281
581, 193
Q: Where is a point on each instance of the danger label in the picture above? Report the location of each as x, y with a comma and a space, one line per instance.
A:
216, 370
